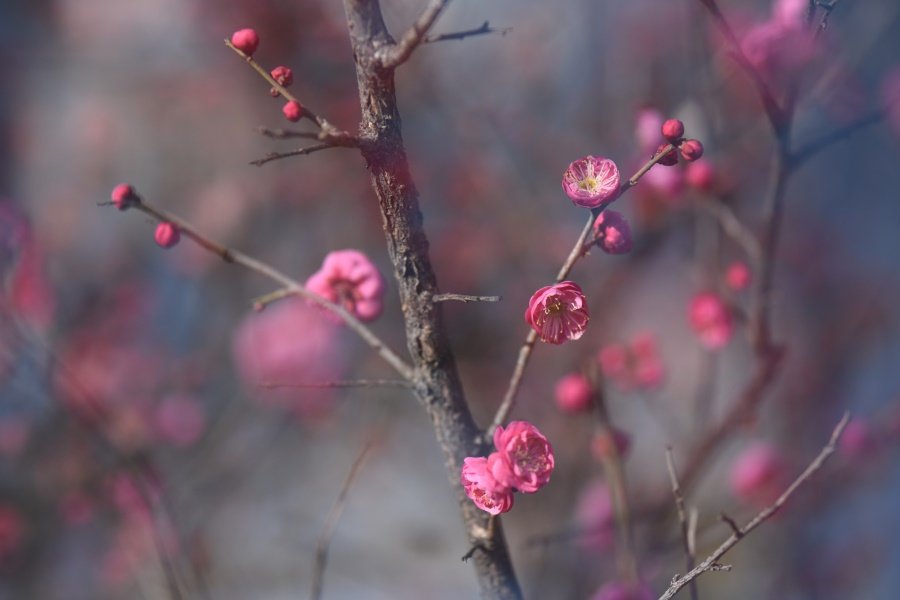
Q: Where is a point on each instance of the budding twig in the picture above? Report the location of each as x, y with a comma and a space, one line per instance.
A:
298, 152
711, 563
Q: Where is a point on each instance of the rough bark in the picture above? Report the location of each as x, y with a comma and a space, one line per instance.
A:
437, 382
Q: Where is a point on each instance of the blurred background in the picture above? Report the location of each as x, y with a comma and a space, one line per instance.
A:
140, 456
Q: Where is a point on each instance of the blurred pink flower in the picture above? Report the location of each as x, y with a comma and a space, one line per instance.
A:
527, 457
711, 320
482, 488
738, 276
591, 181
665, 183
612, 232
573, 393
637, 365
858, 439
595, 519
179, 419
648, 129
348, 278
558, 313
700, 175
12, 531
624, 590
758, 473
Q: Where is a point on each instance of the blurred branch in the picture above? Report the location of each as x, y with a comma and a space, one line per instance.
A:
682, 518
341, 384
392, 57
578, 251
334, 515
813, 147
460, 35
464, 298
298, 152
734, 228
711, 562
234, 256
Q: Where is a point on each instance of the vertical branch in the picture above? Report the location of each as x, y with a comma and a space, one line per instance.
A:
437, 383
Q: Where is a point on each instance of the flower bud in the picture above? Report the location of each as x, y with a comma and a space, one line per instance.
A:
123, 195
673, 130
166, 235
691, 150
245, 40
283, 75
293, 111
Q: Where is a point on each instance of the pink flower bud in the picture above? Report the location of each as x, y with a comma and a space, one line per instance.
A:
558, 313
612, 233
711, 320
758, 473
245, 40
573, 393
525, 459
349, 278
166, 235
591, 181
481, 487
691, 150
603, 442
293, 111
669, 159
283, 75
123, 195
700, 175
737, 276
673, 130
624, 590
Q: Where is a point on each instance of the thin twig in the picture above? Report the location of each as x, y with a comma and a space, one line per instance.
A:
234, 256
287, 134
460, 35
815, 146
578, 251
340, 384
732, 524
261, 302
394, 56
298, 152
682, 518
734, 228
464, 298
334, 515
711, 562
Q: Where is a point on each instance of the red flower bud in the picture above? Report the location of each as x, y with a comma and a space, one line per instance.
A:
673, 130
691, 150
245, 40
166, 235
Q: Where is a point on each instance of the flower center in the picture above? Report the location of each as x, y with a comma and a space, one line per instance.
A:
553, 306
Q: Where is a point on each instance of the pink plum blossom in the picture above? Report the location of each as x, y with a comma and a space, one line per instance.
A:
527, 457
573, 393
711, 320
594, 516
738, 276
633, 366
758, 473
612, 232
700, 175
482, 488
558, 313
348, 278
591, 181
648, 126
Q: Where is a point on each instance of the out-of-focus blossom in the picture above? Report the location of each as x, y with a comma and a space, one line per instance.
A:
780, 47
612, 232
858, 439
758, 474
527, 457
349, 278
666, 184
604, 441
711, 320
573, 393
482, 488
591, 181
595, 518
648, 125
633, 366
179, 419
558, 313
624, 590
738, 276
700, 175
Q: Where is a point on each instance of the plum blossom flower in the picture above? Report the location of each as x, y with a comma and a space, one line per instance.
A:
573, 393
758, 473
527, 457
482, 488
348, 278
591, 181
711, 320
612, 233
636, 365
595, 516
558, 313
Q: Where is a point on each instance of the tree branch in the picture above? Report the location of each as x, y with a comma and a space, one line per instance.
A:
393, 56
461, 35
682, 518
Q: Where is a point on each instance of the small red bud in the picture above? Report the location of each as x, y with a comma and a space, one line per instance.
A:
673, 130
166, 235
273, 92
691, 150
245, 40
283, 75
669, 159
293, 111
123, 195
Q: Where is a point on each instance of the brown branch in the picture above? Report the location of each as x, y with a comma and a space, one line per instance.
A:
578, 251
712, 561
464, 298
298, 152
682, 518
334, 515
734, 228
461, 35
234, 256
368, 383
395, 55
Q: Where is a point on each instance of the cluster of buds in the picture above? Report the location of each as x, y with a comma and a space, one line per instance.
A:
247, 41
124, 196
523, 462
673, 131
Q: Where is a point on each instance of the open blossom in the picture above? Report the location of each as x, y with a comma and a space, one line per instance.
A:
711, 320
527, 457
482, 488
591, 181
558, 312
348, 278
758, 474
612, 232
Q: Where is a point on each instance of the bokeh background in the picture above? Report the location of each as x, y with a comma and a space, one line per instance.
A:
136, 441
